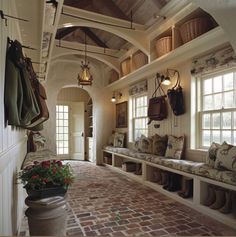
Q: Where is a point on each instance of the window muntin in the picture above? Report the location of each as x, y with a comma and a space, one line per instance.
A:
218, 109
140, 119
62, 129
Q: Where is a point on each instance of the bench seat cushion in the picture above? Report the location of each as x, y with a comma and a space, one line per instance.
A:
39, 156
192, 167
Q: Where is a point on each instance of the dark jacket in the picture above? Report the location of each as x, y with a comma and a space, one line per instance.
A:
20, 103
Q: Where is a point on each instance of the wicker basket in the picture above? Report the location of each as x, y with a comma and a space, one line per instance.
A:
129, 166
108, 160
125, 67
114, 76
195, 27
163, 46
139, 59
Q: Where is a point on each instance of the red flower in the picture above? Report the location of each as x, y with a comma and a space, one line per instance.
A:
46, 164
59, 163
45, 180
54, 170
46, 173
34, 177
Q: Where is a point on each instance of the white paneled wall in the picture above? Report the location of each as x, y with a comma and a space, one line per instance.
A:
174, 125
12, 140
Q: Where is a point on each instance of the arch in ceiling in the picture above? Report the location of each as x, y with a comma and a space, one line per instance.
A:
137, 38
111, 62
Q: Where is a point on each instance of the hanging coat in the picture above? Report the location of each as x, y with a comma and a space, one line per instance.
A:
40, 95
19, 100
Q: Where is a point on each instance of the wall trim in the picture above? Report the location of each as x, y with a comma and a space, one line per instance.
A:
4, 160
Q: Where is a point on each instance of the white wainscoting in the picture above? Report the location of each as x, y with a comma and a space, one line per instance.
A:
12, 140
11, 193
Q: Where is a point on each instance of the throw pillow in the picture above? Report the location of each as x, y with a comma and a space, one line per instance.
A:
119, 139
226, 157
211, 154
145, 144
175, 147
159, 145
136, 144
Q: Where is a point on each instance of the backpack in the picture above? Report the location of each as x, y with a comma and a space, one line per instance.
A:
157, 108
176, 98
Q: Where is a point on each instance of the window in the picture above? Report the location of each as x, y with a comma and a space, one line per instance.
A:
218, 108
62, 129
139, 118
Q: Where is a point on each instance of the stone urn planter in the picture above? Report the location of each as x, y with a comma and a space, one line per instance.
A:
47, 216
46, 184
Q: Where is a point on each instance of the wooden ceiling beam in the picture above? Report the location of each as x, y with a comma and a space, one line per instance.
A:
78, 3
108, 7
93, 37
61, 33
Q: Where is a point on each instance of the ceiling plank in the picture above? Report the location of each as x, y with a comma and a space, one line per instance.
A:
93, 37
61, 33
78, 3
109, 8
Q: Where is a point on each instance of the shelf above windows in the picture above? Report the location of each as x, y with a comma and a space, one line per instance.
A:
202, 44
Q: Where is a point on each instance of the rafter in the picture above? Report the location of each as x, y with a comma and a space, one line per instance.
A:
109, 8
82, 4
93, 37
61, 33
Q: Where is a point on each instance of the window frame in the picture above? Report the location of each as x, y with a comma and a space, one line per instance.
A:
200, 113
57, 133
133, 114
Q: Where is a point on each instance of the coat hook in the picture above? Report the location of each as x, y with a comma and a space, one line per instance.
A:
5, 16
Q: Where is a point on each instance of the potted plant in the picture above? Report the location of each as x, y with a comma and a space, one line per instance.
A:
46, 183
47, 178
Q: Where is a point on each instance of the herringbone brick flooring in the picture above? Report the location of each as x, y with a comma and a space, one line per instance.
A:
103, 202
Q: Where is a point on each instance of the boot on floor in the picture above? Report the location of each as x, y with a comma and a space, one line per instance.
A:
157, 175
227, 208
233, 198
164, 178
220, 199
174, 182
187, 189
211, 196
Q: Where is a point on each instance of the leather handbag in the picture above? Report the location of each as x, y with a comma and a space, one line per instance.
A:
176, 98
157, 107
41, 97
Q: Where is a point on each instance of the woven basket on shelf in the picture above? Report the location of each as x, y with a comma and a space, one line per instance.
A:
195, 27
139, 59
125, 67
163, 45
114, 76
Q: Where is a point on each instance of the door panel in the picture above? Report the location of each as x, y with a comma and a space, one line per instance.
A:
77, 131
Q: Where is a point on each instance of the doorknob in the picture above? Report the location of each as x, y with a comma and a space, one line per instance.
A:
82, 134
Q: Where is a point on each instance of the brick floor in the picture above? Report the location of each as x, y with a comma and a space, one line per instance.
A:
103, 202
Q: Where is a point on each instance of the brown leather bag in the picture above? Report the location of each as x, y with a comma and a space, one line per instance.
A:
157, 107
40, 95
176, 98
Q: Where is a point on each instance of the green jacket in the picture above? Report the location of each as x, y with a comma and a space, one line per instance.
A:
20, 103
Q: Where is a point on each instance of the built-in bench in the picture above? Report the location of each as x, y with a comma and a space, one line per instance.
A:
201, 173
40, 155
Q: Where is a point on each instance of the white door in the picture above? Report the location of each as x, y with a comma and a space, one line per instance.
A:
77, 130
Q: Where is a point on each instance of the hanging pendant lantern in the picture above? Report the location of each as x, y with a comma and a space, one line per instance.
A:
85, 78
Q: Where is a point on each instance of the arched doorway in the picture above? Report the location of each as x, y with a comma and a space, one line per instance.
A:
73, 123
